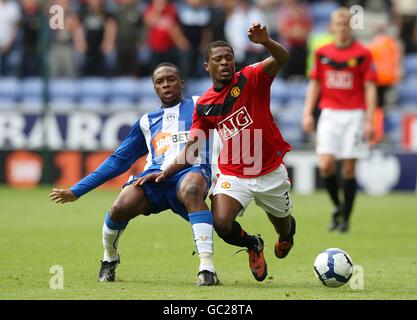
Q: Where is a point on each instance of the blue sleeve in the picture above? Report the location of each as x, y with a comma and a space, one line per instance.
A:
132, 148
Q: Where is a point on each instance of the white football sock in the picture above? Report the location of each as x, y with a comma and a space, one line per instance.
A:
206, 262
110, 242
203, 237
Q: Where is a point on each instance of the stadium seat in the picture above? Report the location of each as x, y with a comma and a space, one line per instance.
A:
321, 11
7, 104
125, 88
290, 127
280, 91
393, 126
32, 104
32, 88
276, 107
320, 27
145, 88
410, 65
297, 91
407, 92
197, 86
63, 89
9, 89
295, 107
95, 104
94, 88
148, 104
121, 103
59, 104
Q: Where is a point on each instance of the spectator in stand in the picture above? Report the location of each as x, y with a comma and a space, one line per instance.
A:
194, 17
415, 34
405, 13
164, 32
129, 24
294, 26
31, 22
269, 10
237, 24
99, 31
9, 25
219, 11
62, 58
386, 55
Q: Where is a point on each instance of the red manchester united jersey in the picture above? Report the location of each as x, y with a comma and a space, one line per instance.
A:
240, 112
342, 73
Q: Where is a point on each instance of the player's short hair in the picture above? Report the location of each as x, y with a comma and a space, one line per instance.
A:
341, 12
216, 44
166, 64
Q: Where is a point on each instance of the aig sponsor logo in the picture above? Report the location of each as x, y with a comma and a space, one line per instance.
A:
234, 123
339, 79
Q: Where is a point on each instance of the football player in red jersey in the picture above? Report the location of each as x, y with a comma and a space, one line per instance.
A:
344, 78
251, 159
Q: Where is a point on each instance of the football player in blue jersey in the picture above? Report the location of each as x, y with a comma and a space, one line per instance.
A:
161, 134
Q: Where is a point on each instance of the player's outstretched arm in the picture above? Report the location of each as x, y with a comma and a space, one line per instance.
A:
62, 195
258, 33
184, 159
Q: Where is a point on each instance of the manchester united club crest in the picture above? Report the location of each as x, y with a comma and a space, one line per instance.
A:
235, 92
226, 185
352, 63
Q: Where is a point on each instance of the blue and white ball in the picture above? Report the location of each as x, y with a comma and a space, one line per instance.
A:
333, 267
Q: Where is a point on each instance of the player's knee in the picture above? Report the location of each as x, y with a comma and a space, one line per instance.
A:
192, 193
327, 168
222, 227
118, 212
348, 173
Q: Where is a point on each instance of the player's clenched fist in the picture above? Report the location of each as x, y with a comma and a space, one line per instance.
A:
257, 33
62, 195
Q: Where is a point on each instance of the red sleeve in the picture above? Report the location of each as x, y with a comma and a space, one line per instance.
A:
257, 74
315, 71
368, 68
200, 126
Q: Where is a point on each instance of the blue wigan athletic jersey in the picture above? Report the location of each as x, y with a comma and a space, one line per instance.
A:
161, 134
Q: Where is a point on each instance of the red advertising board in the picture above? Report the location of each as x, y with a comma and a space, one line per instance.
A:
409, 126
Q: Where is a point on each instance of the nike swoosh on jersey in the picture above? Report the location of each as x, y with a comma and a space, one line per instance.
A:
208, 111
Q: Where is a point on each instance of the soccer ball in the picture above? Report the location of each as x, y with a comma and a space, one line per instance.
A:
333, 267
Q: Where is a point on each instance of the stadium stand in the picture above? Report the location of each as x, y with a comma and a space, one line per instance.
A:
123, 93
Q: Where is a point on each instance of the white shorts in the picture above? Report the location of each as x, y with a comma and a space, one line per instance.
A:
270, 191
341, 133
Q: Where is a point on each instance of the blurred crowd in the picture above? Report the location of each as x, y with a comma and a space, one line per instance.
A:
130, 37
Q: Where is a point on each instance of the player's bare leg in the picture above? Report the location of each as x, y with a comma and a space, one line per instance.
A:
349, 191
191, 193
327, 166
225, 210
285, 228
130, 203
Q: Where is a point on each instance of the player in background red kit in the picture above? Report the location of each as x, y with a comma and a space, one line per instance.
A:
344, 78
250, 161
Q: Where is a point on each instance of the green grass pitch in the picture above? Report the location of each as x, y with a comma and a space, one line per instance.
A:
156, 252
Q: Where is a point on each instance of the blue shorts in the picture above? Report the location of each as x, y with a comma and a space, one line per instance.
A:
163, 195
